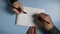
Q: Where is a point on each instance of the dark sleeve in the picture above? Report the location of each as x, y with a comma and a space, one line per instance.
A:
54, 30
12, 1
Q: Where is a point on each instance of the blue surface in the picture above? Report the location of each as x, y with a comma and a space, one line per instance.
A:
7, 20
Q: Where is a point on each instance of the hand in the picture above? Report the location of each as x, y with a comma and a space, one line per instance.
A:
16, 4
43, 24
32, 30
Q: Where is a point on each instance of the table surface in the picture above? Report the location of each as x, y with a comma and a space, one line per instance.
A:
7, 19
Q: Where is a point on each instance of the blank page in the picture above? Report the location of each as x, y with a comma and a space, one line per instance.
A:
27, 19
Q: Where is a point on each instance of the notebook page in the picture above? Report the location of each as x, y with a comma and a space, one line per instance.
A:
27, 19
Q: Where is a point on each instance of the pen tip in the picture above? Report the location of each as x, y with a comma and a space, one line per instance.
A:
25, 12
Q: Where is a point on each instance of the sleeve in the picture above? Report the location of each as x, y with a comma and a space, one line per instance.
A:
54, 30
12, 1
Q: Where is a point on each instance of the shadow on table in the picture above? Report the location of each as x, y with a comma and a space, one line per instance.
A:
2, 32
8, 7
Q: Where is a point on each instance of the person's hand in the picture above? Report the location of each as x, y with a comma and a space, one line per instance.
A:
43, 24
17, 4
32, 30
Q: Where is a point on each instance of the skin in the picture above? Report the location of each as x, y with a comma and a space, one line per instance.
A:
32, 29
17, 5
47, 18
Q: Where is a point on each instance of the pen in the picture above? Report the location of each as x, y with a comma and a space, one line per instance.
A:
41, 19
18, 9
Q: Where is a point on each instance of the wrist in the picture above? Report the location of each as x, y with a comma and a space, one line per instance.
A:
54, 30
50, 28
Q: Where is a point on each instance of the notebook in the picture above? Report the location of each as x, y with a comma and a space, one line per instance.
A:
27, 19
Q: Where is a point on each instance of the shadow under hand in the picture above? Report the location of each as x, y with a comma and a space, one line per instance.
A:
40, 28
34, 19
8, 7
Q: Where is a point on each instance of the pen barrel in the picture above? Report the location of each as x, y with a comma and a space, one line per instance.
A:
19, 9
41, 19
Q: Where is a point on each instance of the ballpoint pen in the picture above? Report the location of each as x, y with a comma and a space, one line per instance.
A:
18, 9
41, 19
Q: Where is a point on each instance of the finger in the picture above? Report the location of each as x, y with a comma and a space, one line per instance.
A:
30, 30
16, 11
21, 7
43, 15
20, 10
35, 30
39, 22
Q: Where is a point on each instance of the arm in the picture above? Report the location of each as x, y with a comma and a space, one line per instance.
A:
54, 30
49, 27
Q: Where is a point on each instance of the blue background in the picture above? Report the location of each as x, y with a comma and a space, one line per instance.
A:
7, 20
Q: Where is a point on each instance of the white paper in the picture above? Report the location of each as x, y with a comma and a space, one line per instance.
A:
27, 19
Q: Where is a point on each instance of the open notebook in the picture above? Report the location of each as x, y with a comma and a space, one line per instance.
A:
27, 19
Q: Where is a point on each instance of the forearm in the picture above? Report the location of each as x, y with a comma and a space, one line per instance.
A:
12, 1
54, 30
